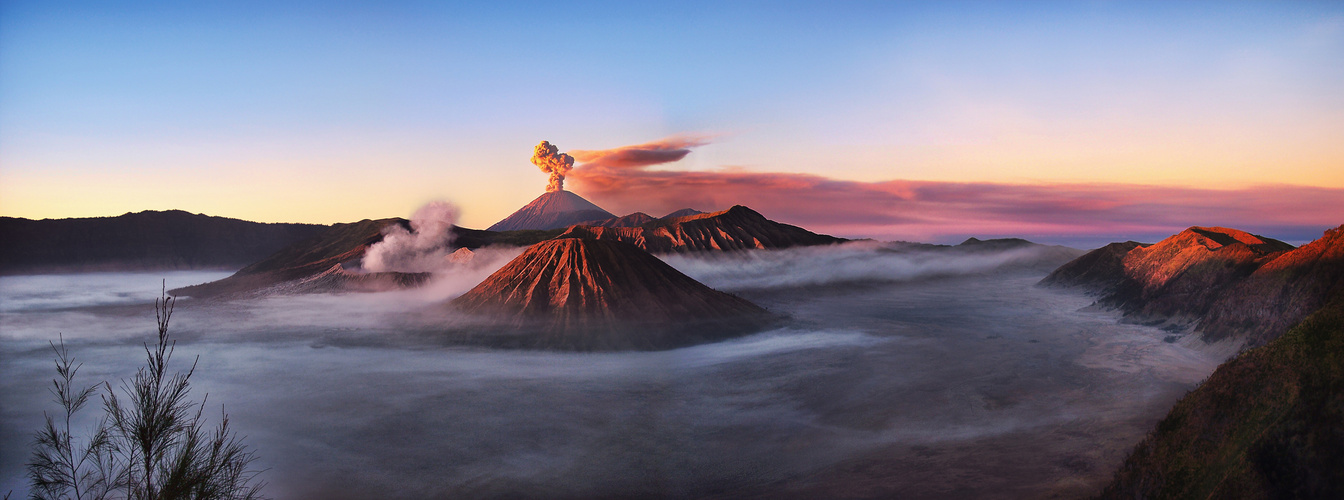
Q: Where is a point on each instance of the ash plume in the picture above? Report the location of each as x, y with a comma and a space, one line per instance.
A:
422, 249
658, 152
549, 159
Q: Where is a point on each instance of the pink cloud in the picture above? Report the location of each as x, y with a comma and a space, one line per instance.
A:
940, 211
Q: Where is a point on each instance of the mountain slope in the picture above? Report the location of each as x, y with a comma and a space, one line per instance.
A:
337, 279
339, 244
685, 212
1281, 292
148, 240
551, 210
738, 228
584, 294
1208, 278
633, 220
1267, 424
1100, 270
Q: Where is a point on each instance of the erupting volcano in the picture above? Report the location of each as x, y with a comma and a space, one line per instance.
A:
556, 207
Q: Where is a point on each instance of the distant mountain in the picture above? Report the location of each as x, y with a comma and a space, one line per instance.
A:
551, 210
148, 240
1015, 253
1267, 424
1226, 283
685, 212
995, 244
584, 294
738, 228
632, 220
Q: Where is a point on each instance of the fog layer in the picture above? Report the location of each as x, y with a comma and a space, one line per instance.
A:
978, 386
857, 261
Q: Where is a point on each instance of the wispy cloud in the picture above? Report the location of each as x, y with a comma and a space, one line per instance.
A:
1081, 214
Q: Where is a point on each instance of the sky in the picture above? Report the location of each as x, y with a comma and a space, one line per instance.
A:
1068, 122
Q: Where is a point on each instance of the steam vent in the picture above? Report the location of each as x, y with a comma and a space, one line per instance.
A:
591, 295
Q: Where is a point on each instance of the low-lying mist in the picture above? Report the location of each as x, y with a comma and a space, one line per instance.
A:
858, 261
923, 376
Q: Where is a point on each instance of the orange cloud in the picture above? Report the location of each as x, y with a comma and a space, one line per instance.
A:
1079, 214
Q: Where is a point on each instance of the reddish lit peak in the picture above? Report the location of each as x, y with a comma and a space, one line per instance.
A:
1217, 237
735, 210
1329, 247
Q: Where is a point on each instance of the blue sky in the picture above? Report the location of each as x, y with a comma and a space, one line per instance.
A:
335, 111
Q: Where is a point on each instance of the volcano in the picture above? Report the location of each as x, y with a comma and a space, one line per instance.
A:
551, 210
586, 294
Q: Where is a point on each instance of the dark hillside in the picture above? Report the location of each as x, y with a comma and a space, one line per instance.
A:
1267, 424
338, 244
1100, 270
141, 241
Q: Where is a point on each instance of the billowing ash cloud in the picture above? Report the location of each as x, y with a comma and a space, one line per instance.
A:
422, 249
549, 159
641, 155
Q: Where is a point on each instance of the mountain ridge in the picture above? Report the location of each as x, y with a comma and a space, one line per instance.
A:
737, 228
337, 245
1209, 280
632, 220
141, 241
685, 212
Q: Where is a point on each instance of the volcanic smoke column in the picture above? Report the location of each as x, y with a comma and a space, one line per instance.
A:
549, 159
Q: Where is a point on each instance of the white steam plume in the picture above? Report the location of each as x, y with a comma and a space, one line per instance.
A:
422, 249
